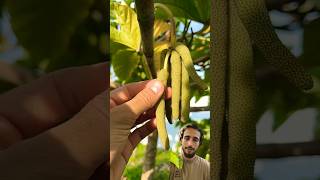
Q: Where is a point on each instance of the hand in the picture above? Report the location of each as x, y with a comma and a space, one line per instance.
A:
131, 105
55, 127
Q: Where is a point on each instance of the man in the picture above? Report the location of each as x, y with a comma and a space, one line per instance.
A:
194, 167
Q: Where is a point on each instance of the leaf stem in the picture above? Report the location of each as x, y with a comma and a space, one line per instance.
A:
172, 22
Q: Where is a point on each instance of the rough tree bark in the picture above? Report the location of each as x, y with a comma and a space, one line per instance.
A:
145, 13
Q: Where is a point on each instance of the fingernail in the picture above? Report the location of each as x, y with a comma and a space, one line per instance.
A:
156, 87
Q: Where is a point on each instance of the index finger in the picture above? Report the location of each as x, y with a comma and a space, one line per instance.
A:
127, 92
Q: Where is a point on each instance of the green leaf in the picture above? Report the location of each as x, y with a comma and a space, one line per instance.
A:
204, 124
128, 2
277, 94
286, 101
160, 27
280, 116
124, 38
200, 47
176, 159
124, 62
44, 28
197, 10
115, 47
127, 31
311, 39
279, 109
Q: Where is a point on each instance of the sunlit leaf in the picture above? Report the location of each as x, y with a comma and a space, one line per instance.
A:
200, 47
115, 47
127, 31
124, 38
176, 159
124, 62
160, 27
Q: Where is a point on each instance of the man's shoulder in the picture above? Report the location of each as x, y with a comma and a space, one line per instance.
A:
202, 160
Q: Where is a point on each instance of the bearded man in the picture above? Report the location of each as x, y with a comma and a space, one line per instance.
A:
194, 167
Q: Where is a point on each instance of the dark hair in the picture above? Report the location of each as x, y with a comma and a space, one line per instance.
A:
193, 126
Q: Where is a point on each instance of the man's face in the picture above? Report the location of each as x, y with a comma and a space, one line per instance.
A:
190, 142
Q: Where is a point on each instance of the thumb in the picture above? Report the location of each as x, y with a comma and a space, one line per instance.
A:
147, 98
122, 117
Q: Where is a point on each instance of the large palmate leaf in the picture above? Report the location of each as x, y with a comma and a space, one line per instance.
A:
45, 27
124, 38
127, 31
125, 41
124, 62
198, 10
115, 47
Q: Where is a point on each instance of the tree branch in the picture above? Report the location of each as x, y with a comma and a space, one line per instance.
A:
198, 109
287, 150
145, 13
202, 59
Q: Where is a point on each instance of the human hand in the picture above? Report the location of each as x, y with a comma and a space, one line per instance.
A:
131, 105
55, 126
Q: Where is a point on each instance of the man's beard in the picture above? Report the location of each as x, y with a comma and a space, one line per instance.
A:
188, 155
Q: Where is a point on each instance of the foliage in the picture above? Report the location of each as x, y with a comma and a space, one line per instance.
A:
51, 21
134, 168
197, 10
163, 158
58, 34
203, 150
125, 42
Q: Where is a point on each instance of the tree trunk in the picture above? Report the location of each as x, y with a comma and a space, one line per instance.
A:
145, 13
150, 156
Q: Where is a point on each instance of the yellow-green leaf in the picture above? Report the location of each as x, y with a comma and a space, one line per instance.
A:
175, 159
127, 31
124, 62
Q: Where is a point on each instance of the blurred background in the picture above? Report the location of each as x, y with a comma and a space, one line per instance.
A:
37, 37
